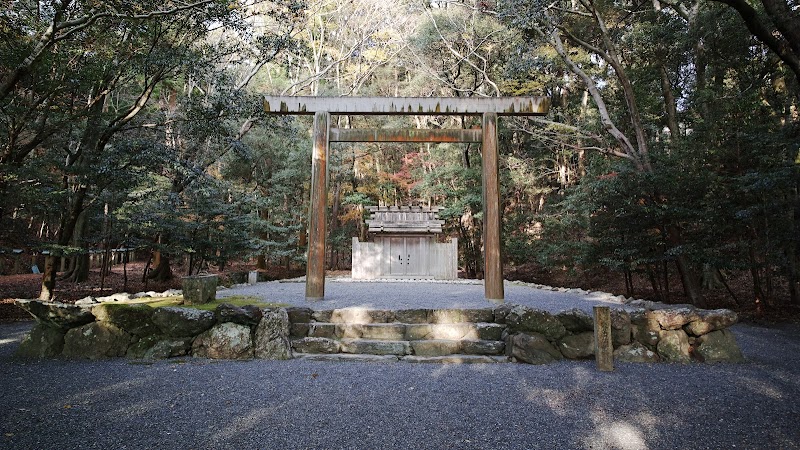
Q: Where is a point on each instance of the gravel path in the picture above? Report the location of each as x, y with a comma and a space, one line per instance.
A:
341, 293
203, 404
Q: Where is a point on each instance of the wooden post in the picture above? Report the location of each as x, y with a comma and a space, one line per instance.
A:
603, 347
317, 216
492, 263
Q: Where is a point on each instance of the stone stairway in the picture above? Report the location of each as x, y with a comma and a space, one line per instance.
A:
413, 335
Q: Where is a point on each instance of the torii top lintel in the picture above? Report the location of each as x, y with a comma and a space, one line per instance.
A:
502, 106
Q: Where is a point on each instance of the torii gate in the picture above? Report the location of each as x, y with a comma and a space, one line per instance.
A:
322, 108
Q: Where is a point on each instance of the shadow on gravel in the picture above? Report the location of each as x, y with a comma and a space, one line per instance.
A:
198, 403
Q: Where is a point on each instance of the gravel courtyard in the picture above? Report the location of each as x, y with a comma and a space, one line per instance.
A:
205, 404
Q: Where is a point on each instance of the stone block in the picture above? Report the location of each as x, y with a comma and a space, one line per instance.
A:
719, 346
455, 359
411, 316
297, 330
175, 321
324, 330
199, 289
322, 316
347, 357
316, 345
388, 332
224, 341
532, 348
435, 347
524, 319
361, 315
635, 352
674, 318
371, 347
711, 320
620, 328
576, 320
299, 314
134, 319
59, 315
452, 331
481, 347
249, 315
272, 336
490, 331
449, 316
96, 340
577, 346
673, 346
43, 341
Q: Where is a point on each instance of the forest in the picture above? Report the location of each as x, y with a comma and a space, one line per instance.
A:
668, 166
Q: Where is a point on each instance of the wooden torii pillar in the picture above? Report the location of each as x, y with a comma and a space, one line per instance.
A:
323, 107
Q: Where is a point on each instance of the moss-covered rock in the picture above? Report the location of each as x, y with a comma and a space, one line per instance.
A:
576, 320
524, 319
176, 321
533, 348
719, 346
134, 319
673, 346
59, 315
224, 341
44, 341
96, 340
577, 346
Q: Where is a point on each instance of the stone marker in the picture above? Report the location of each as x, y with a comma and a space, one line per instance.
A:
199, 289
604, 349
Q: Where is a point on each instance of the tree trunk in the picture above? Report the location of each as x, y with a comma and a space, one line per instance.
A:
691, 286
48, 278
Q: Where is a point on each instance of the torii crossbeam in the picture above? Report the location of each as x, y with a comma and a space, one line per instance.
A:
487, 107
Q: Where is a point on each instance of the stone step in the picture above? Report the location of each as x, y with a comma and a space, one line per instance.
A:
434, 347
347, 357
376, 347
403, 332
383, 359
410, 316
456, 359
444, 347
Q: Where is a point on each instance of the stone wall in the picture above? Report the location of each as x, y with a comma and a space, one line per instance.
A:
642, 334
139, 331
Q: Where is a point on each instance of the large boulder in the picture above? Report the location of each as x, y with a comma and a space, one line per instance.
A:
249, 315
674, 318
96, 340
134, 319
224, 341
577, 346
159, 347
673, 346
576, 320
176, 321
645, 328
719, 346
620, 328
711, 320
272, 336
533, 348
44, 341
59, 315
635, 352
524, 319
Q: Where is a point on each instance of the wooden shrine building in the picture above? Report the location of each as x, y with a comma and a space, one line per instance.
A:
404, 245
